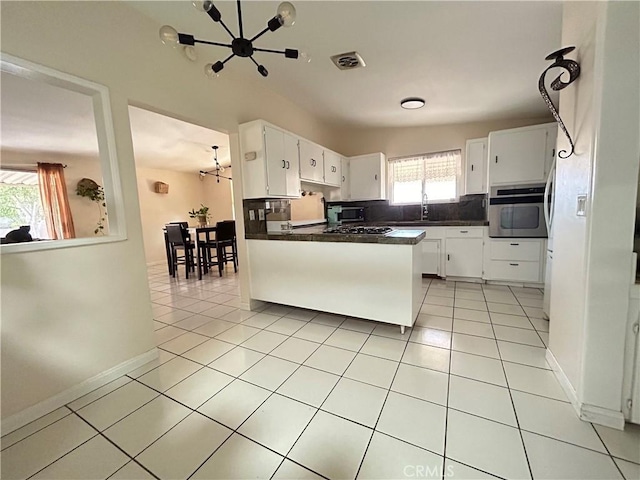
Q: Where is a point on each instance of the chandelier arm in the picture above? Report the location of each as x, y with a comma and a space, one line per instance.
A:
206, 42
225, 61
240, 20
254, 61
267, 50
227, 29
202, 172
258, 35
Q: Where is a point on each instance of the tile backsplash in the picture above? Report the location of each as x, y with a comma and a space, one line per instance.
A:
469, 207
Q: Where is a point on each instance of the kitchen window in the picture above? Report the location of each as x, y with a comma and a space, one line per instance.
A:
20, 203
438, 175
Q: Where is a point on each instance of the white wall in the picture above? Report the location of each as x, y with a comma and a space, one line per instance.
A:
84, 211
187, 191
70, 314
398, 142
592, 254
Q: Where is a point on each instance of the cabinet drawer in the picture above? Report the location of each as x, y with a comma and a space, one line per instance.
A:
515, 250
464, 232
514, 271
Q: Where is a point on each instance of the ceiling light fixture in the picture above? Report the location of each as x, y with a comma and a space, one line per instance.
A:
240, 46
412, 103
218, 168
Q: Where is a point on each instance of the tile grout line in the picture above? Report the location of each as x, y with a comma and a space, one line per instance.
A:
513, 406
446, 418
375, 426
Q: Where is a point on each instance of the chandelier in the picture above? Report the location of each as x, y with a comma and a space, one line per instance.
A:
240, 46
218, 169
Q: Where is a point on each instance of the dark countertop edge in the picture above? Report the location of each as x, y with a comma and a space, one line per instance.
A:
337, 238
433, 223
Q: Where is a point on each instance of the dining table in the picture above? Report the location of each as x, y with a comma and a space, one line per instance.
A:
199, 235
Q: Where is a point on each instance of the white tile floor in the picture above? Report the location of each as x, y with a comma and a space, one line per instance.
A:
293, 394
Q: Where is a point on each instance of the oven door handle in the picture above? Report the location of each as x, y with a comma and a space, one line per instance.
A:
547, 190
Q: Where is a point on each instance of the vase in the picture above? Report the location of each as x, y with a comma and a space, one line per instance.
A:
202, 221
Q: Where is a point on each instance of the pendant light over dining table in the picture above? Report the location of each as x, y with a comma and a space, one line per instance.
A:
240, 46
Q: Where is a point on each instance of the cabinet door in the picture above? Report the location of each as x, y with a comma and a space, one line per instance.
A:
431, 256
345, 187
365, 178
276, 163
292, 170
311, 163
464, 257
476, 160
332, 167
517, 156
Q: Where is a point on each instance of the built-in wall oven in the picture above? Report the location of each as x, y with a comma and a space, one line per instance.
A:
517, 211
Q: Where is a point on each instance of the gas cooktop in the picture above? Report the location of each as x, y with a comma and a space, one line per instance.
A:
360, 230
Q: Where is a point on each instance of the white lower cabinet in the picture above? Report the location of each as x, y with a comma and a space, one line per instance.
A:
464, 257
430, 256
517, 260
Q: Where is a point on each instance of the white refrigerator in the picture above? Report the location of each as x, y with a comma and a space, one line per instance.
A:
548, 217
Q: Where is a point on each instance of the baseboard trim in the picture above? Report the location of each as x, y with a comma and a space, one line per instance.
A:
602, 416
566, 385
34, 412
588, 413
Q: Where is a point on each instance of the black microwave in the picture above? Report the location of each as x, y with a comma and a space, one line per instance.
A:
338, 214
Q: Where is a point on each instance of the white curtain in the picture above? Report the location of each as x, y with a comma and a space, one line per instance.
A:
436, 174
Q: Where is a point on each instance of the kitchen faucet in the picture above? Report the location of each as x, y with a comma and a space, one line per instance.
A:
425, 208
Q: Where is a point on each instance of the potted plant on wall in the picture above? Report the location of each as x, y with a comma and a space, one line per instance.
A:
94, 192
202, 215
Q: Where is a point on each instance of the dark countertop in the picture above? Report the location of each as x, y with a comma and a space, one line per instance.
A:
315, 234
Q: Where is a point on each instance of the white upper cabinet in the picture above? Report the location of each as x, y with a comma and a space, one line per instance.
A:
476, 166
367, 174
345, 184
311, 162
332, 168
520, 155
270, 162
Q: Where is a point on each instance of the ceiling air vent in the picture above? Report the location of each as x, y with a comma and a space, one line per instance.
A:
348, 61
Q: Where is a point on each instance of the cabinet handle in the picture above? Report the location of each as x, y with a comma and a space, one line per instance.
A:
288, 164
514, 264
284, 164
553, 152
343, 178
472, 167
514, 244
496, 158
448, 257
464, 231
376, 176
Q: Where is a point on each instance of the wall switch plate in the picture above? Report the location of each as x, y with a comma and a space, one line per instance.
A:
581, 209
261, 214
252, 214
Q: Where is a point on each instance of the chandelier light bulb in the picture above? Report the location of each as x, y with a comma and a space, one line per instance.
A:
286, 14
169, 35
304, 56
202, 6
209, 72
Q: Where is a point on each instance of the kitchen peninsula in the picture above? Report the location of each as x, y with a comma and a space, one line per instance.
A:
371, 276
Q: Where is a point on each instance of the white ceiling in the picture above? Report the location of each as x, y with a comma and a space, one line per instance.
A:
471, 61
38, 117
170, 144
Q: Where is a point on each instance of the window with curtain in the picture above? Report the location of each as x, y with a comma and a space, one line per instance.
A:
437, 175
20, 203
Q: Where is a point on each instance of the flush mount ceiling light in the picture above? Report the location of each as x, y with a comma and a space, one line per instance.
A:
412, 103
240, 46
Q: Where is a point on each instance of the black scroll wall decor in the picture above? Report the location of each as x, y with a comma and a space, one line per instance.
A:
572, 67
